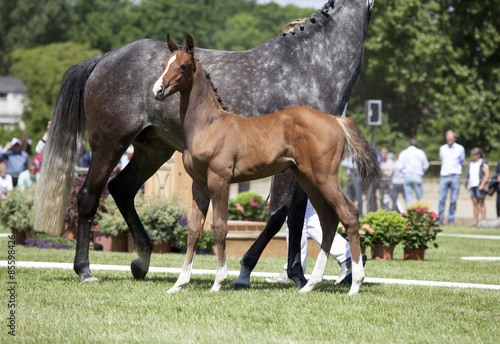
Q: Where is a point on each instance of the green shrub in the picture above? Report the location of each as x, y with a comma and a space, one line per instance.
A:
248, 206
388, 227
207, 240
16, 210
162, 219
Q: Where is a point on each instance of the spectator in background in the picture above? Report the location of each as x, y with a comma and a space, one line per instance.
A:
17, 159
6, 185
497, 184
397, 185
125, 159
83, 158
27, 178
40, 148
476, 181
355, 190
386, 164
452, 157
413, 164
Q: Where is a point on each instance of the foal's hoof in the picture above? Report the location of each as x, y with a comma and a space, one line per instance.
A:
240, 283
89, 280
138, 272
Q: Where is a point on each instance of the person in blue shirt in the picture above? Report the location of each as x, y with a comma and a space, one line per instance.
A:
452, 157
17, 160
413, 163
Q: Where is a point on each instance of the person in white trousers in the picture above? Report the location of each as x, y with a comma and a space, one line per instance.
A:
340, 250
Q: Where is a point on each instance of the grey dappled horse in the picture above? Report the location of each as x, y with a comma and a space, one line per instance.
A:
111, 94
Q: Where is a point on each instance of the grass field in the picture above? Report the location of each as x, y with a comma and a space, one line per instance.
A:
51, 306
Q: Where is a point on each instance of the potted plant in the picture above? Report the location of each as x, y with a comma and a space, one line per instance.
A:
388, 228
205, 246
71, 219
421, 230
111, 229
247, 212
365, 235
16, 214
163, 220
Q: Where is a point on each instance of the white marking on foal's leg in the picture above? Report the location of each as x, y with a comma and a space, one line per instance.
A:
220, 278
159, 83
358, 276
318, 272
183, 279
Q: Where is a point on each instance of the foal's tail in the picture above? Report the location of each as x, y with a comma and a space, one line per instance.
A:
361, 151
57, 174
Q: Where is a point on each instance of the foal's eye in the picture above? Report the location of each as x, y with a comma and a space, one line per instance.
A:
183, 67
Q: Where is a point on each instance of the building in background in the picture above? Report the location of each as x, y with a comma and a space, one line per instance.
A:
12, 95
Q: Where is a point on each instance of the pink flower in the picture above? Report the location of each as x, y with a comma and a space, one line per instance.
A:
239, 207
367, 227
425, 227
254, 204
420, 210
408, 227
266, 207
434, 215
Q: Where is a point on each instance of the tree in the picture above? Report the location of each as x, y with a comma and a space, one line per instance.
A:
42, 69
436, 67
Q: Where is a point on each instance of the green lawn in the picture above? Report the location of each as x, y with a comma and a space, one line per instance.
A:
53, 307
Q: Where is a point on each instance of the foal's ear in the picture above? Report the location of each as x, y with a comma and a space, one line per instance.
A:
189, 44
171, 45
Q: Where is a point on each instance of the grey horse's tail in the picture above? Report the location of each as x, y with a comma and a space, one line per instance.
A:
362, 152
57, 174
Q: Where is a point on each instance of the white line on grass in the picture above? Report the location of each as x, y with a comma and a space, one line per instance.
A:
490, 259
471, 236
69, 266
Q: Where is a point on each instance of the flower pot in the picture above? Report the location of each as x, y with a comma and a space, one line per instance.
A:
130, 243
414, 253
164, 247
111, 243
382, 252
21, 236
70, 233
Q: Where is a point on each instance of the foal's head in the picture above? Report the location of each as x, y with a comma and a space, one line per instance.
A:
178, 70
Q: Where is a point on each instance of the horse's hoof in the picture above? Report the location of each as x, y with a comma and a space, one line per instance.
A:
240, 283
89, 280
174, 289
138, 272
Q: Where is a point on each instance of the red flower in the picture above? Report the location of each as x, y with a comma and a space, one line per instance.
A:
425, 227
239, 207
266, 207
420, 210
254, 204
434, 215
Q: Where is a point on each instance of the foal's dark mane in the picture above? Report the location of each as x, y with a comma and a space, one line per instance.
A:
219, 99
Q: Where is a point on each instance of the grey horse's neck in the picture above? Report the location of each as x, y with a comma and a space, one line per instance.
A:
315, 65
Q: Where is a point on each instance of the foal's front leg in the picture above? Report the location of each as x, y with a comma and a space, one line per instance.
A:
201, 200
219, 192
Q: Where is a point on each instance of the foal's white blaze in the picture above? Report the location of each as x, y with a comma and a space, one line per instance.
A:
159, 83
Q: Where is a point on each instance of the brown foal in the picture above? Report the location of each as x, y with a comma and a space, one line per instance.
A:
221, 148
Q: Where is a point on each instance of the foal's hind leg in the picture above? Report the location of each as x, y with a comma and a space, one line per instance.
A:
147, 159
201, 200
347, 212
